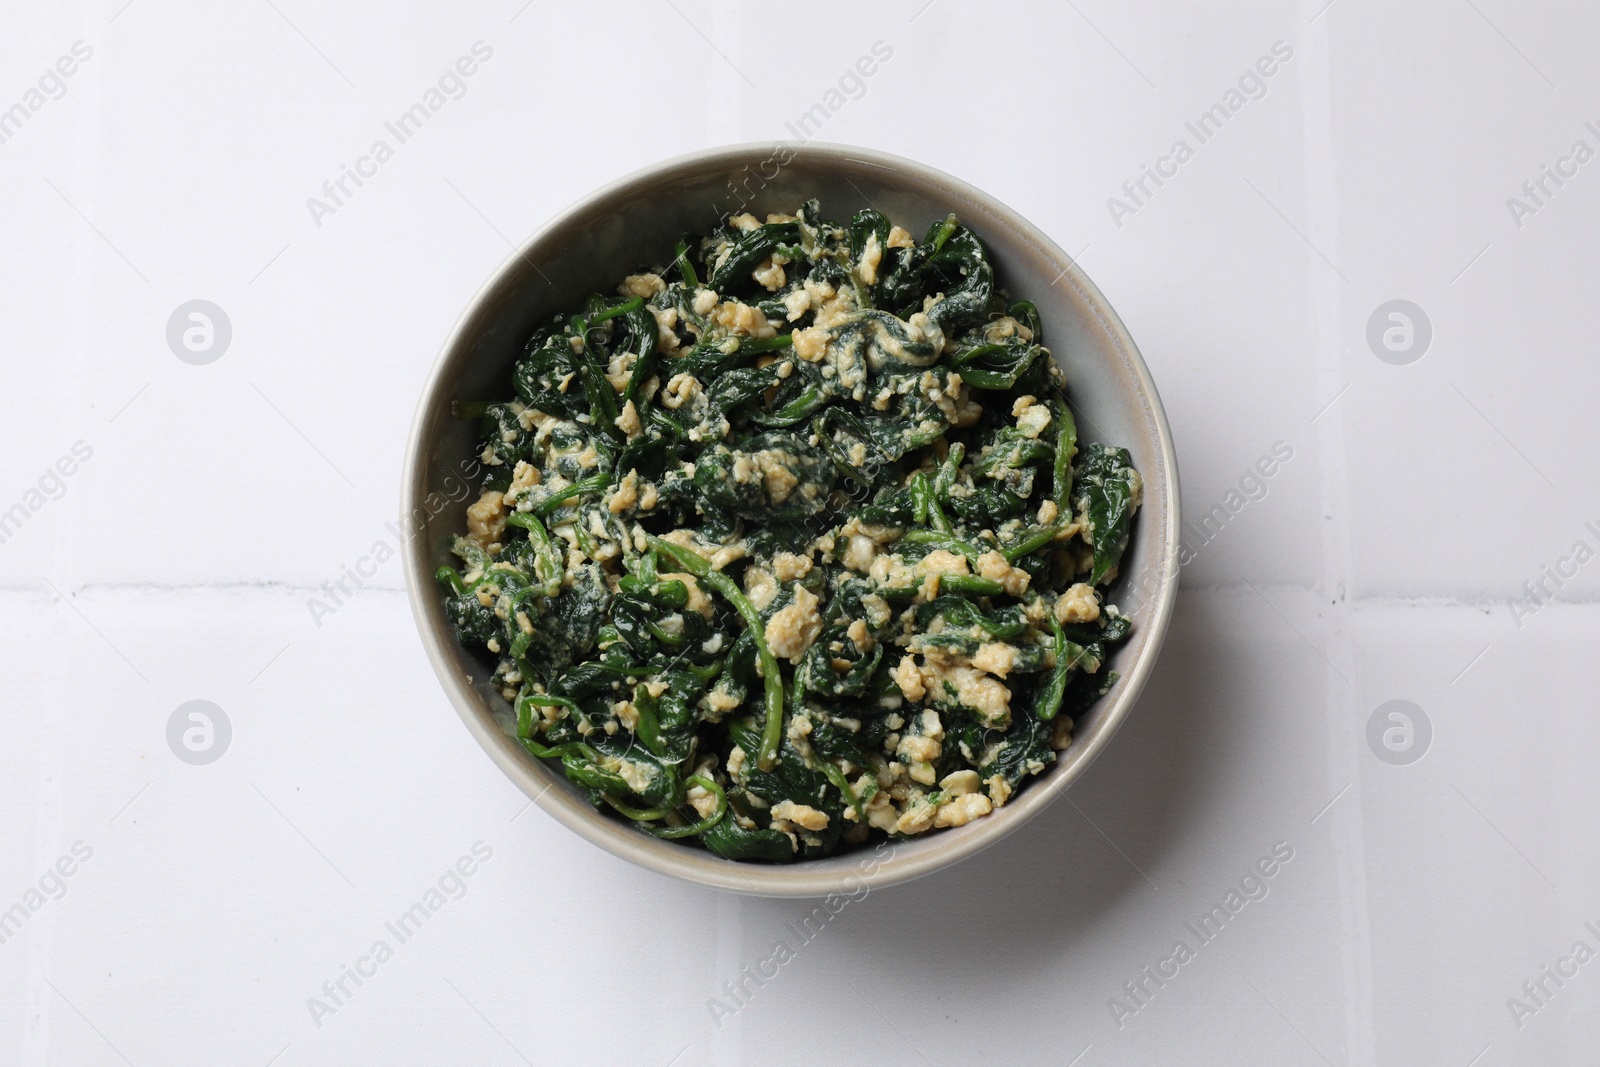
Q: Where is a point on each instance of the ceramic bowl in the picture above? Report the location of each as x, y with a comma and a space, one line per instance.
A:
633, 223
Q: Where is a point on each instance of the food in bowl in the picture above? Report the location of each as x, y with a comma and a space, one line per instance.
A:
792, 542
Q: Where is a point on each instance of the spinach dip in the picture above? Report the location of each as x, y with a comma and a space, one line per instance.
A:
791, 542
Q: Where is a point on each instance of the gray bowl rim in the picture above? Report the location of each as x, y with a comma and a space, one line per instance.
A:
909, 859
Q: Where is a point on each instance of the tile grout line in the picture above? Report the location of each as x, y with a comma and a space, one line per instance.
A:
1341, 824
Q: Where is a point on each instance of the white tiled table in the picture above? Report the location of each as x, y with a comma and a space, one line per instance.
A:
180, 559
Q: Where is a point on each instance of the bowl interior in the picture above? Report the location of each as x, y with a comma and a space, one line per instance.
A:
635, 223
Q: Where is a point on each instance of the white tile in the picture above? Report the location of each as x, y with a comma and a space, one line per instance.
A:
1389, 557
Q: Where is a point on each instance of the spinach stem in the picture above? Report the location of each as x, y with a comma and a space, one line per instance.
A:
675, 832
1068, 656
547, 565
768, 344
686, 268
1049, 699
620, 309
842, 784
1066, 448
940, 540
571, 748
527, 701
1032, 543
593, 483
649, 729
771, 677
637, 814
927, 503
970, 584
